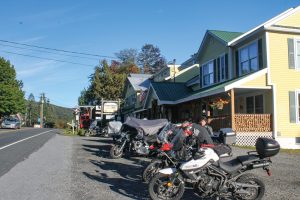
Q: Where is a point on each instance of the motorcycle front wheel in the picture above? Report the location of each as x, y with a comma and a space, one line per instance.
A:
151, 170
161, 187
251, 192
116, 151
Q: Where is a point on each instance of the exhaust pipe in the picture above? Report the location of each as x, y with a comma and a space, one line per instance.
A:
260, 165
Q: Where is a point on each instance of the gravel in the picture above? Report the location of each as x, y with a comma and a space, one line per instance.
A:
104, 178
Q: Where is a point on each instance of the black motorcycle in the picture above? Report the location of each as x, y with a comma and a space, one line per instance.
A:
137, 137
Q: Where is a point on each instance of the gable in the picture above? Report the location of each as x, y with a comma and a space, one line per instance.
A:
290, 21
212, 48
260, 81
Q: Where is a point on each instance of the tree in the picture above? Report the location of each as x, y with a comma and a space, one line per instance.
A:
127, 56
11, 95
150, 59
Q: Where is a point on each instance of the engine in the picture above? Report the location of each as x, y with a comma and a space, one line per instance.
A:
140, 147
207, 185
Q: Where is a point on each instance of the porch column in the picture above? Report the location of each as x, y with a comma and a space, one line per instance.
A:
232, 108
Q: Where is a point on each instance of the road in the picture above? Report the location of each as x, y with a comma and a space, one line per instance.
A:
17, 145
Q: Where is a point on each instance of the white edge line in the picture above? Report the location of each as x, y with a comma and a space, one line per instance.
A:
23, 140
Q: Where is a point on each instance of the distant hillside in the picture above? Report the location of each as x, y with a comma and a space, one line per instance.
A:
55, 116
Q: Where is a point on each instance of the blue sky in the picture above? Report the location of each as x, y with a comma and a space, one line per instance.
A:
107, 26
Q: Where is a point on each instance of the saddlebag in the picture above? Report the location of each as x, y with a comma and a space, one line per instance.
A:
267, 147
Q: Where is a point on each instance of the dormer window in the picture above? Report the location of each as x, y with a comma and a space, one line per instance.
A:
208, 73
248, 58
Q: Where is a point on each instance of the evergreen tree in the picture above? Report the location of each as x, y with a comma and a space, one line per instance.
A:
11, 95
150, 59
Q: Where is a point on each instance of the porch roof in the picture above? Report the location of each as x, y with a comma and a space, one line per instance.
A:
175, 93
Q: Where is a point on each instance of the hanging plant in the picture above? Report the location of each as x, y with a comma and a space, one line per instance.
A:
218, 103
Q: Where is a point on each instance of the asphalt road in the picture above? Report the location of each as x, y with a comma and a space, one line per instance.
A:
17, 145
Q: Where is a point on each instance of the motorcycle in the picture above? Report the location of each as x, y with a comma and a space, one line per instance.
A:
212, 178
137, 136
167, 156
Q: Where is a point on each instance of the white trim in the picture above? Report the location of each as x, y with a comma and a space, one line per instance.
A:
282, 29
297, 93
182, 71
255, 87
268, 58
246, 79
265, 24
274, 112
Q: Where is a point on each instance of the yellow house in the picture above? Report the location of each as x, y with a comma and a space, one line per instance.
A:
256, 73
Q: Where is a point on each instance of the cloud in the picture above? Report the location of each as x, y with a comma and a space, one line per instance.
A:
29, 70
32, 39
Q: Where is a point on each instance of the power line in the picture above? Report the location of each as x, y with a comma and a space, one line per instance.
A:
5, 45
54, 49
63, 61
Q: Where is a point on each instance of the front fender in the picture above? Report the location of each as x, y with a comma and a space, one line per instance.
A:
167, 171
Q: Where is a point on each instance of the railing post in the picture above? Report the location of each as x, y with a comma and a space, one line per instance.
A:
232, 109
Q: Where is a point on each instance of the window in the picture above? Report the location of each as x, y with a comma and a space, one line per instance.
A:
255, 104
222, 68
298, 54
208, 73
248, 58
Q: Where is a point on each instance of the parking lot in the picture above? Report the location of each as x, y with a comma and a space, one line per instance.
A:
96, 176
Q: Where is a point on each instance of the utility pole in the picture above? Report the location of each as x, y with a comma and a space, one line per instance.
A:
42, 111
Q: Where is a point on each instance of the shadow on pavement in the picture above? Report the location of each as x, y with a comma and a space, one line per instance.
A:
128, 184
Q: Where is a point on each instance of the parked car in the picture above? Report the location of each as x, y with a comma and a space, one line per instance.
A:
11, 123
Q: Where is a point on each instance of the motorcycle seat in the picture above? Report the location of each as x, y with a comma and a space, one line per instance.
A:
247, 159
230, 166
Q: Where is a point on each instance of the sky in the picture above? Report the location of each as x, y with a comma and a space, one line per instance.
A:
104, 27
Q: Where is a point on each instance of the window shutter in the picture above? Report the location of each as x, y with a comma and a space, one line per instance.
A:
291, 53
260, 54
215, 71
237, 62
218, 70
226, 67
200, 77
292, 98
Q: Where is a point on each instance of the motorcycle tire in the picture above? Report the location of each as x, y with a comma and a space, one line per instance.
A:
151, 170
115, 152
256, 193
158, 178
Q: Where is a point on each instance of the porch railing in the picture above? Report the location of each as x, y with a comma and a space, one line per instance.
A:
253, 122
244, 122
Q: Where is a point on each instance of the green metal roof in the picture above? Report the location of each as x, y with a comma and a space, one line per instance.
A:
225, 35
170, 91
